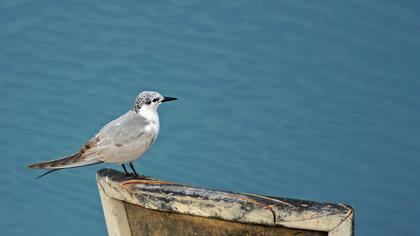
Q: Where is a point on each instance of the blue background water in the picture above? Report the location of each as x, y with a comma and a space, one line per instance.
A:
306, 99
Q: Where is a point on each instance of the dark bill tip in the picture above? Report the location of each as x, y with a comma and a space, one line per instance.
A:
167, 99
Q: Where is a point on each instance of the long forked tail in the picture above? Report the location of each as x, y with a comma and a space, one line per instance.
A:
73, 161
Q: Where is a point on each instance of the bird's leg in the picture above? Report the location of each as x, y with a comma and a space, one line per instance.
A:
125, 170
132, 167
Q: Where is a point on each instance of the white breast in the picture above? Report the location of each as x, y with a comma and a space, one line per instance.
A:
153, 118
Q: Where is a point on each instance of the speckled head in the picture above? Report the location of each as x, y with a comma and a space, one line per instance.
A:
150, 100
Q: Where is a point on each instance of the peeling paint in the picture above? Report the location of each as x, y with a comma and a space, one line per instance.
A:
337, 219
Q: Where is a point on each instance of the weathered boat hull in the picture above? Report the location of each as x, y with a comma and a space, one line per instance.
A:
147, 206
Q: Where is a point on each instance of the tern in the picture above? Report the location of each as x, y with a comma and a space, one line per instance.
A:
122, 140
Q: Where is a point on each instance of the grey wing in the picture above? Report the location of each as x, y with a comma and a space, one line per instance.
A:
124, 129
124, 139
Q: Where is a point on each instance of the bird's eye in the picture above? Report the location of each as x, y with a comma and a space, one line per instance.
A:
156, 99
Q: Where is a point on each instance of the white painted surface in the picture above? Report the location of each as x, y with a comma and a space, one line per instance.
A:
115, 215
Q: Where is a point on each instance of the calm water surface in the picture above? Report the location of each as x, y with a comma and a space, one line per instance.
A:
306, 99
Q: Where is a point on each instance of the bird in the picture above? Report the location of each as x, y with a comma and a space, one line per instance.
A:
121, 141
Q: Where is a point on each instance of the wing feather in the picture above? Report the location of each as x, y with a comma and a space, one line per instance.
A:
124, 139
124, 129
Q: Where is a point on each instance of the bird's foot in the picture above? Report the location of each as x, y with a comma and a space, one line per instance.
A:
135, 175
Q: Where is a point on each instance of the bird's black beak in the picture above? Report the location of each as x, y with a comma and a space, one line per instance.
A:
167, 99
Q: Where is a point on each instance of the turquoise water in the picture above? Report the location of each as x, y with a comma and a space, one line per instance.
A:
306, 99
